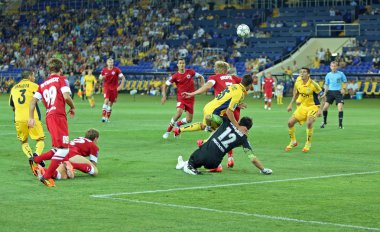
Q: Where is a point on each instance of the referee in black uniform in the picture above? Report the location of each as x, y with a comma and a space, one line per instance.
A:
225, 138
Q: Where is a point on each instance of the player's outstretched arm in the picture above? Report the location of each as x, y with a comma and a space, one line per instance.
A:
255, 161
202, 79
201, 90
322, 99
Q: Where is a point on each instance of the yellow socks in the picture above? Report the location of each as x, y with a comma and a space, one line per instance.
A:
292, 134
40, 146
27, 150
193, 127
309, 134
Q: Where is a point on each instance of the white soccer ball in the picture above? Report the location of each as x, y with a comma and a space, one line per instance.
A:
243, 30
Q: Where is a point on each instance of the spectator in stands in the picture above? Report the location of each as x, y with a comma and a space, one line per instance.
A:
352, 88
328, 56
376, 44
376, 62
356, 61
321, 55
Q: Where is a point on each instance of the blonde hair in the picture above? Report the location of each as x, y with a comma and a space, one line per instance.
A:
221, 66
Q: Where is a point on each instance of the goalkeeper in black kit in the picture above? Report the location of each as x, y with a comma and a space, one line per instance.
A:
210, 154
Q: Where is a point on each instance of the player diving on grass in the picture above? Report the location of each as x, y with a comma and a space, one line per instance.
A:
83, 156
219, 82
228, 136
225, 104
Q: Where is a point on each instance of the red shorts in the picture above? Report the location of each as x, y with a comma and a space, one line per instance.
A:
111, 94
268, 94
58, 129
186, 105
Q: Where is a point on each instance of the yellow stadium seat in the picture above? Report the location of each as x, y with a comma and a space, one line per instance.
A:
128, 85
145, 85
139, 84
366, 86
377, 89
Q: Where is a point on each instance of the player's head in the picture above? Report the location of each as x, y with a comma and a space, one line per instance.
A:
28, 74
181, 64
334, 66
246, 121
92, 134
55, 65
89, 71
221, 67
305, 73
247, 81
109, 62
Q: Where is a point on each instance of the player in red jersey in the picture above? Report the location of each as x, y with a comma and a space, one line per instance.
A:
80, 148
111, 76
55, 93
267, 89
219, 81
184, 80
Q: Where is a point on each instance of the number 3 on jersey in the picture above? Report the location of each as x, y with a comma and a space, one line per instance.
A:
50, 95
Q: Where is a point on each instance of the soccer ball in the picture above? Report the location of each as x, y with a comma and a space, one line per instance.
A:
243, 30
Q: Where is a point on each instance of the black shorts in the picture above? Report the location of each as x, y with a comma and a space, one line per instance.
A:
334, 95
200, 158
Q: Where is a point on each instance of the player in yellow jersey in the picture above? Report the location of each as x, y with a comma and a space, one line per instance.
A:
19, 99
225, 103
89, 86
307, 93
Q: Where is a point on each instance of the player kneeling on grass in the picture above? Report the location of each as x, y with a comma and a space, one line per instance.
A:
80, 148
210, 154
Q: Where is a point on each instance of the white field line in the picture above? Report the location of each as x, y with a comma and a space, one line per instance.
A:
247, 214
234, 184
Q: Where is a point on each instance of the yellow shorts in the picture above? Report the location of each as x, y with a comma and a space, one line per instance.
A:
89, 92
209, 110
303, 112
23, 131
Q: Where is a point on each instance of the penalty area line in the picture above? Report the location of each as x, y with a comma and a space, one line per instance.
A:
263, 216
234, 184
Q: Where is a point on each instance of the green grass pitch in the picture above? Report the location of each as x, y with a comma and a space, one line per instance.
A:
334, 187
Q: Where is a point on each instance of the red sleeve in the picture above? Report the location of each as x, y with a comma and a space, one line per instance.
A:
192, 72
94, 150
173, 78
102, 72
236, 79
211, 78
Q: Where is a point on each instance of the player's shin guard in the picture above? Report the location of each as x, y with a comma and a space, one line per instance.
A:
182, 122
27, 150
309, 134
193, 127
45, 156
292, 134
325, 116
40, 145
109, 110
230, 153
171, 125
86, 168
340, 115
56, 160
104, 111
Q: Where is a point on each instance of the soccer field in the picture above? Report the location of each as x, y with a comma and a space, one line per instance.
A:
334, 187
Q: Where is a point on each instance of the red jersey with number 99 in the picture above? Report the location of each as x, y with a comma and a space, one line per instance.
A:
51, 93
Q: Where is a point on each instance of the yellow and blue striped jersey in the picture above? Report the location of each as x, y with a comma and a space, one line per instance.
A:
308, 93
229, 98
20, 98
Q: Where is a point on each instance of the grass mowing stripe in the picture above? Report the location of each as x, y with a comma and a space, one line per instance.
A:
235, 184
277, 218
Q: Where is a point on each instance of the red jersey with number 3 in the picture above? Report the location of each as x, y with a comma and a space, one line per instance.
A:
51, 94
111, 77
221, 81
84, 147
184, 82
